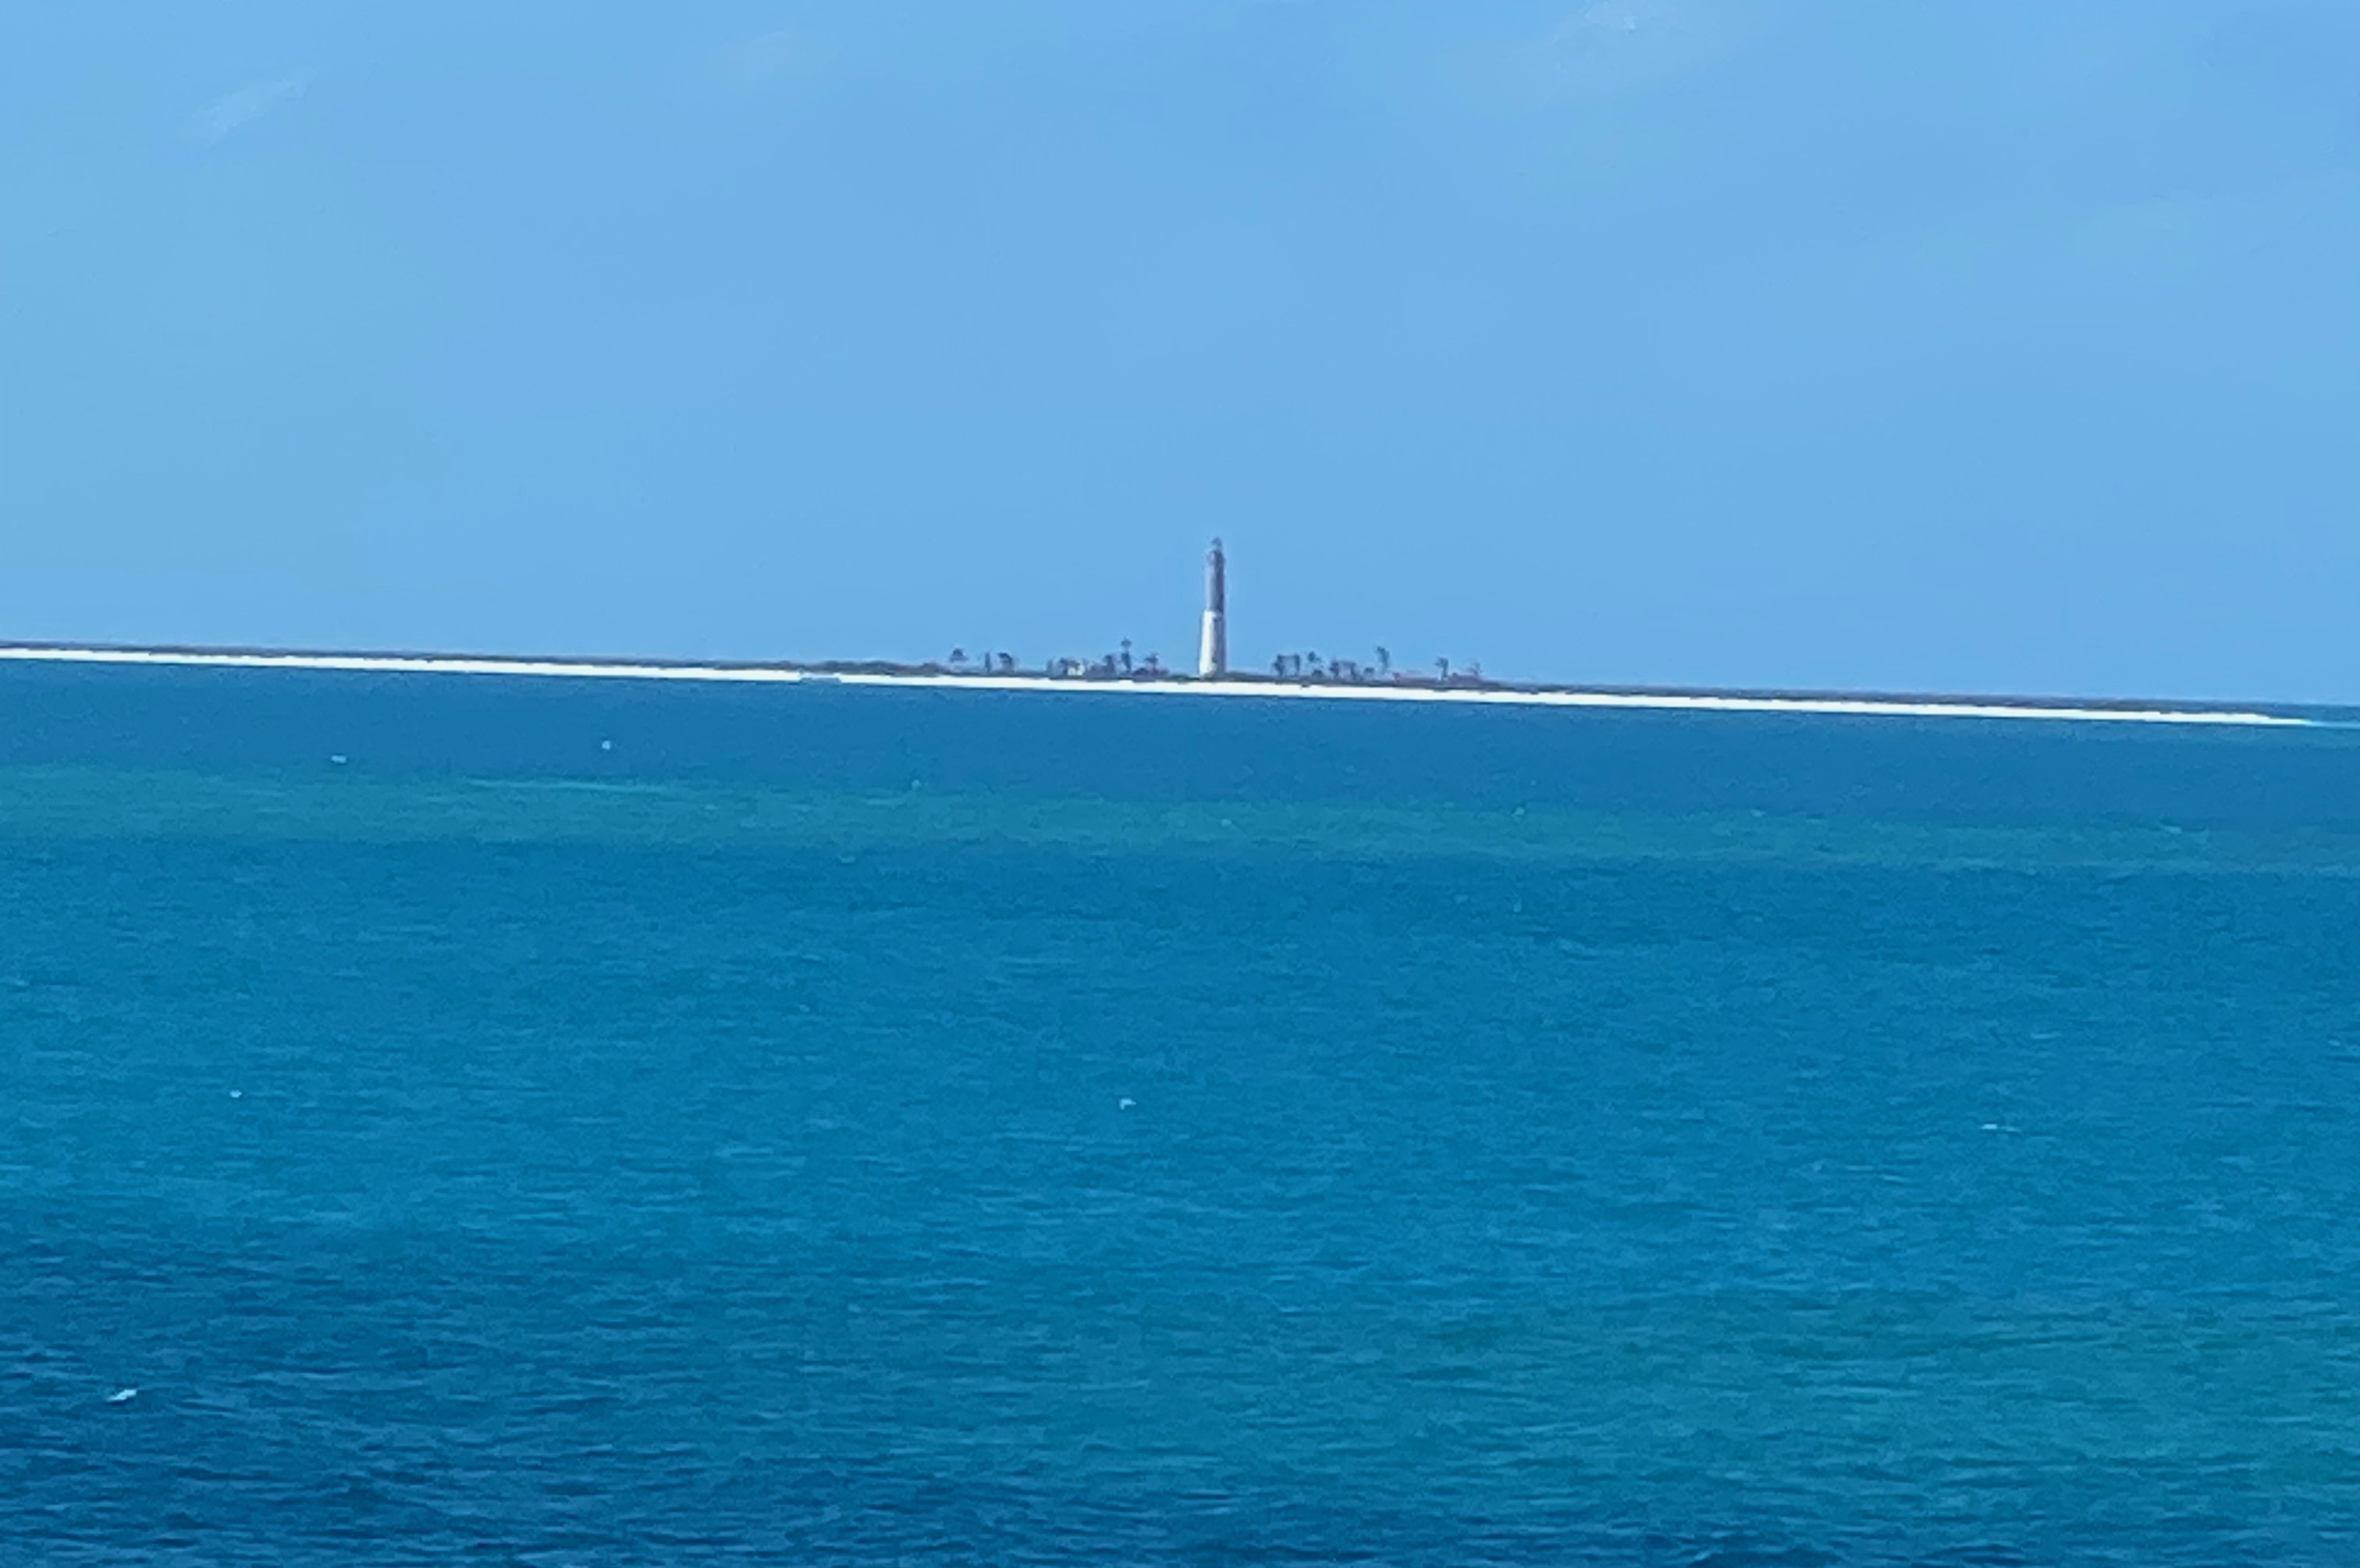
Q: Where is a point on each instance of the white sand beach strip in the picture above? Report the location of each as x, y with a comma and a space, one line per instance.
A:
1498, 696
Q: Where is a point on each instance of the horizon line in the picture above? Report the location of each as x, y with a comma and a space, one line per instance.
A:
883, 672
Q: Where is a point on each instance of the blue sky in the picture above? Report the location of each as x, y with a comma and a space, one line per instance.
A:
1999, 345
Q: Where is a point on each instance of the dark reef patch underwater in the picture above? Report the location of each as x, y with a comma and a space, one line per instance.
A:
603, 1122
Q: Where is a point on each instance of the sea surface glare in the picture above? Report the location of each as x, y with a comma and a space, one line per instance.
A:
585, 1122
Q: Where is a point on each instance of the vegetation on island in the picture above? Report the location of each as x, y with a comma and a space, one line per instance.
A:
1306, 668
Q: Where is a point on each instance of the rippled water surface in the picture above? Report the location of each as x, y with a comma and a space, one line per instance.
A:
593, 1123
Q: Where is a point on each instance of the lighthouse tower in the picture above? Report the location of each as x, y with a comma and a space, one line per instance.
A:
1213, 649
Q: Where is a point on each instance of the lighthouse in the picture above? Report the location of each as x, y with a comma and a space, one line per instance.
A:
1213, 648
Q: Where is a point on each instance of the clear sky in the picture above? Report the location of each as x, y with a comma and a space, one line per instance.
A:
2004, 345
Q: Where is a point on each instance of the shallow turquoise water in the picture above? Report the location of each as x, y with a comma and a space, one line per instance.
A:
873, 1126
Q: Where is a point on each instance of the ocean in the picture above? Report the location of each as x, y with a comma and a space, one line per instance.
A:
553, 1121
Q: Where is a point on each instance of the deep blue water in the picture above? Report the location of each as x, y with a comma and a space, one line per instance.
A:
858, 1126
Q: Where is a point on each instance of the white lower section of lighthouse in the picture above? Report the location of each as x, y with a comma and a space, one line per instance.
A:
1213, 647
